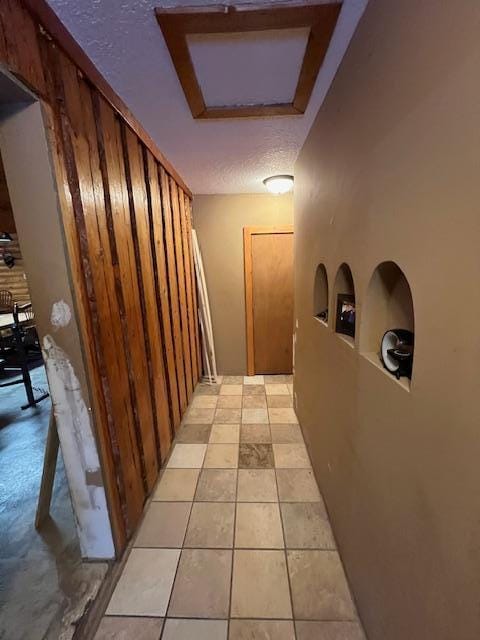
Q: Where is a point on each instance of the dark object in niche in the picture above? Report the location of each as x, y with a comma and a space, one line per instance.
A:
8, 259
345, 318
396, 352
323, 315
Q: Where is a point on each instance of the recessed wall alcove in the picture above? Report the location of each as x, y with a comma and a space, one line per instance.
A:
320, 295
343, 286
388, 305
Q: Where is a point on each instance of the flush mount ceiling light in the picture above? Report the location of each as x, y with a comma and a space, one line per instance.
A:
5, 237
279, 184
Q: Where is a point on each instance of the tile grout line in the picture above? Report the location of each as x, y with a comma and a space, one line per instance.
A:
178, 563
233, 549
286, 559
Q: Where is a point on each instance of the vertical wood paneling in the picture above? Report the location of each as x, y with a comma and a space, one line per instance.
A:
118, 498
188, 286
163, 302
198, 352
145, 271
19, 45
173, 286
179, 261
132, 318
67, 175
92, 223
127, 232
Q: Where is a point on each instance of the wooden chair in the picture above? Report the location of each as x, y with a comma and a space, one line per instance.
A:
24, 319
6, 301
16, 343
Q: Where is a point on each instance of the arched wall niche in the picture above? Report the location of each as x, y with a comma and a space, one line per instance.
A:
388, 305
320, 294
345, 288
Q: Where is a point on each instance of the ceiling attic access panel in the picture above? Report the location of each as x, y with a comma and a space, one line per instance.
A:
299, 34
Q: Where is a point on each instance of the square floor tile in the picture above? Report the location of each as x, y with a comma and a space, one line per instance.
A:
228, 416
276, 390
177, 485
255, 433
221, 456
286, 433
257, 485
229, 402
217, 485
225, 434
261, 630
307, 526
232, 380
291, 456
258, 379
187, 456
254, 416
253, 390
178, 629
282, 416
260, 585
207, 389
297, 485
280, 402
255, 456
145, 584
254, 402
258, 526
123, 628
319, 587
202, 585
231, 390
211, 525
164, 525
193, 433
329, 631
195, 415
204, 402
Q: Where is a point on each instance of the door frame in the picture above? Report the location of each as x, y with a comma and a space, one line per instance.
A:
248, 232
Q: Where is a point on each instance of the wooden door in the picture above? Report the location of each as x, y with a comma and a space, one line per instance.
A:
269, 298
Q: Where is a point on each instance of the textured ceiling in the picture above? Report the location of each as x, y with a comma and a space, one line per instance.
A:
124, 41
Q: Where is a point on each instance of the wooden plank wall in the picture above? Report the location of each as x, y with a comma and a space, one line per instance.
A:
127, 220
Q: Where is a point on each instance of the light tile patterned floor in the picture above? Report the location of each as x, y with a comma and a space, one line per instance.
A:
236, 544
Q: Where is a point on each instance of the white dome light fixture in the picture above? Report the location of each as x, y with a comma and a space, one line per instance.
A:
279, 184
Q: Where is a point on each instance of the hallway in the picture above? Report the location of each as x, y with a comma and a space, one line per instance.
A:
236, 542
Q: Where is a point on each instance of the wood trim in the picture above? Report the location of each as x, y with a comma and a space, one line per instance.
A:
255, 111
62, 37
178, 22
248, 232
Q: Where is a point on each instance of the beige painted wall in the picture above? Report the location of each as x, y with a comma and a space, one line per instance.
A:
390, 171
219, 222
